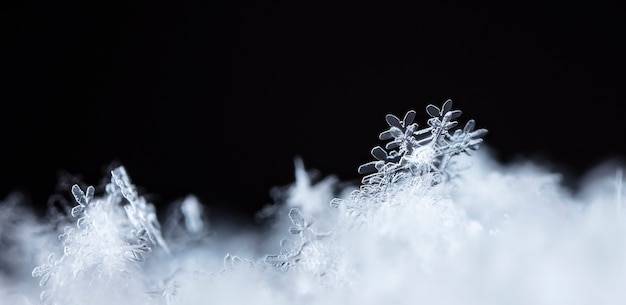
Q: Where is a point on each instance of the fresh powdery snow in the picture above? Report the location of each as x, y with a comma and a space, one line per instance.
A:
434, 220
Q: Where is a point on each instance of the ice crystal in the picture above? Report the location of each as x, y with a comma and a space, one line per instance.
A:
46, 270
415, 159
111, 235
140, 213
306, 251
417, 152
82, 198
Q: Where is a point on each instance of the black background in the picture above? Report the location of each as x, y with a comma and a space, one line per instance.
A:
216, 98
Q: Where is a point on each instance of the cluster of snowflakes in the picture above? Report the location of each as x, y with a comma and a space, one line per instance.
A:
414, 230
113, 233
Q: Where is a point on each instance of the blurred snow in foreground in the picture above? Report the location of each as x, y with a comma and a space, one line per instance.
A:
499, 234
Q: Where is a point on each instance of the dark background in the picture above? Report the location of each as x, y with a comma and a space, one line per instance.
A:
216, 98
